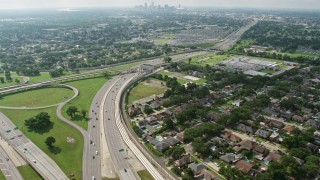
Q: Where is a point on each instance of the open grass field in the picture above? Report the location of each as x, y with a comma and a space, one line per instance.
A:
209, 59
125, 66
27, 172
145, 175
141, 91
182, 80
68, 156
87, 90
44, 76
37, 97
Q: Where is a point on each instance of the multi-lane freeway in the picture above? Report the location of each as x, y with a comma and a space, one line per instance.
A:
7, 167
104, 109
41, 162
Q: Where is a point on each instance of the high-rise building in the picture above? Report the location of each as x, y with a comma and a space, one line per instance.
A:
145, 5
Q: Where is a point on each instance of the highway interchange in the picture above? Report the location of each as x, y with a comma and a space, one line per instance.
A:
105, 108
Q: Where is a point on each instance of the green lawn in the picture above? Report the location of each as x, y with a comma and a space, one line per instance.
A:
37, 97
69, 159
209, 58
87, 90
125, 66
181, 80
27, 172
44, 76
141, 91
2, 177
145, 175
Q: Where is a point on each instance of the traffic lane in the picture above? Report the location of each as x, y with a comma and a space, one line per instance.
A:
116, 141
18, 141
7, 167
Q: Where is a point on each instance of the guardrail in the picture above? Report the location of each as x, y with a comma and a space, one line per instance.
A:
163, 170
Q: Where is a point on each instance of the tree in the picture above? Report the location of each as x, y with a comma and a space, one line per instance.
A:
2, 80
71, 111
8, 76
38, 123
17, 81
169, 124
84, 113
201, 147
49, 141
167, 59
148, 110
189, 60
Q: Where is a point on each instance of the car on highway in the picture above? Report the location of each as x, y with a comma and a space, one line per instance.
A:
34, 161
97, 152
93, 178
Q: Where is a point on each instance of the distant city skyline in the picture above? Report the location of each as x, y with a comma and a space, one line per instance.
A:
27, 4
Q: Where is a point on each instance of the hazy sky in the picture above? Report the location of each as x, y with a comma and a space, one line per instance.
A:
18, 4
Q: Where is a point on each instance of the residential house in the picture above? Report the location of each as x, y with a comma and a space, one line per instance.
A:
154, 105
317, 137
231, 137
229, 158
288, 129
245, 167
171, 141
205, 175
162, 146
277, 124
188, 148
152, 140
245, 128
286, 115
150, 129
261, 150
313, 148
152, 119
274, 136
180, 136
298, 118
263, 133
196, 168
237, 103
315, 123
272, 157
142, 124
183, 161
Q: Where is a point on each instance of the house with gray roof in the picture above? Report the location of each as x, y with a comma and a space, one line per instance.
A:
196, 168
229, 157
245, 128
263, 133
162, 146
171, 141
150, 129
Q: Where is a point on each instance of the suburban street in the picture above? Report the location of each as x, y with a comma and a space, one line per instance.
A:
41, 162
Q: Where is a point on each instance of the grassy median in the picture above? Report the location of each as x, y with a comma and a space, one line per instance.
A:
37, 97
88, 88
27, 172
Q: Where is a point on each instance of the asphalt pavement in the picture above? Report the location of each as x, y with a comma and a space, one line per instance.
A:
41, 162
7, 167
